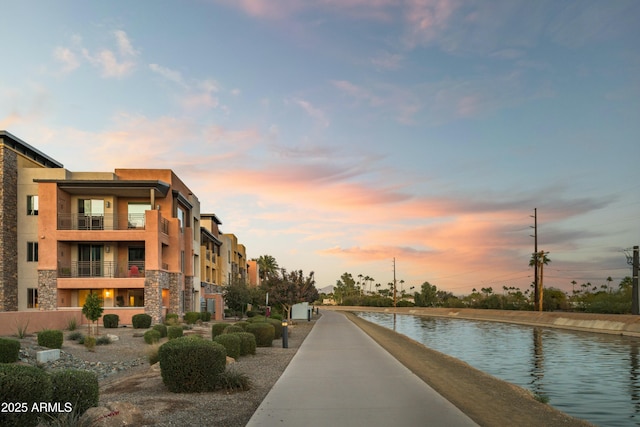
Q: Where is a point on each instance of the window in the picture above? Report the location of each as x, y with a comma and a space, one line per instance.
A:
32, 298
182, 261
136, 214
32, 251
32, 205
181, 219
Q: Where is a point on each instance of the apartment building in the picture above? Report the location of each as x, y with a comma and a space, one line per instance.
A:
211, 298
234, 259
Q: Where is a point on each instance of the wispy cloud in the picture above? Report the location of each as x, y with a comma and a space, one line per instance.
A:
315, 113
114, 63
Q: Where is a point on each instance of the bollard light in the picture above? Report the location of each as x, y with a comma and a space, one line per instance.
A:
285, 334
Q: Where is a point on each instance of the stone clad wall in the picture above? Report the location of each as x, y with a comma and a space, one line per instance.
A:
8, 230
176, 294
154, 282
188, 293
47, 290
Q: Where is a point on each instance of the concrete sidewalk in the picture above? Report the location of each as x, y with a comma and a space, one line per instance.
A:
341, 377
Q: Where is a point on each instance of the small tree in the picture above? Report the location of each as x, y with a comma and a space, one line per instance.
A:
92, 309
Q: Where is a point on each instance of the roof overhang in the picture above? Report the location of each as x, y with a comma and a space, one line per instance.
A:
127, 188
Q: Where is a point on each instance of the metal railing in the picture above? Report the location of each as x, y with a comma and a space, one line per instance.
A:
102, 269
75, 221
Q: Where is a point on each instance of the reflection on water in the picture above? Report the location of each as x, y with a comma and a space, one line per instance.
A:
595, 377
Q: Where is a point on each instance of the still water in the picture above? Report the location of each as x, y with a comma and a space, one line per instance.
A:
591, 376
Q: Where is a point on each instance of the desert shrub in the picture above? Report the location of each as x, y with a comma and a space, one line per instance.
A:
190, 365
90, 343
110, 320
72, 324
103, 340
141, 321
50, 338
174, 332
255, 319
247, 343
264, 333
232, 380
151, 336
25, 384
172, 319
191, 317
162, 329
250, 313
205, 316
231, 342
276, 316
232, 329
76, 336
152, 353
218, 329
76, 386
277, 324
242, 324
9, 350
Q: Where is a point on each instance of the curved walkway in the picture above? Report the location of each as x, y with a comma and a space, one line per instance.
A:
340, 376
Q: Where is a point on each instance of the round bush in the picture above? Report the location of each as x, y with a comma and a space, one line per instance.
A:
231, 342
78, 387
232, 329
218, 329
151, 336
205, 316
277, 324
243, 325
162, 329
9, 350
141, 321
191, 365
191, 317
171, 319
264, 333
174, 332
247, 343
26, 384
50, 338
110, 320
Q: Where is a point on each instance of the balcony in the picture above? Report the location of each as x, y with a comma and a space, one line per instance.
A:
110, 269
77, 221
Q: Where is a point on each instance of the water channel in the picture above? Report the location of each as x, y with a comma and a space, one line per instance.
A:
591, 376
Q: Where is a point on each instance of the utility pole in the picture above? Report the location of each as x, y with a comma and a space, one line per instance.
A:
394, 282
536, 291
635, 293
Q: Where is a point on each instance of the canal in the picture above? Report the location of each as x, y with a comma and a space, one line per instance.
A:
595, 377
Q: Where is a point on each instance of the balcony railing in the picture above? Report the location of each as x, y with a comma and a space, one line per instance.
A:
75, 221
164, 225
110, 269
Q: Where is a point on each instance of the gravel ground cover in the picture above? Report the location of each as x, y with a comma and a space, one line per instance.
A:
126, 376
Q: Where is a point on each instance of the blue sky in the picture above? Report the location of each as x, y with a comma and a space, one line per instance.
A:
336, 135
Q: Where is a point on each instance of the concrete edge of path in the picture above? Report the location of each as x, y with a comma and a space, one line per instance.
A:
484, 398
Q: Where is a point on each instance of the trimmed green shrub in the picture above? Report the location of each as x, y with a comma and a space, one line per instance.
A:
75, 386
232, 329
276, 316
25, 384
255, 319
172, 319
174, 332
110, 320
141, 321
264, 333
231, 342
250, 313
205, 316
277, 324
50, 338
191, 365
243, 325
247, 343
218, 329
9, 350
162, 329
191, 317
151, 336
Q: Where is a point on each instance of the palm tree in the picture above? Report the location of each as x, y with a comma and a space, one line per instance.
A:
268, 266
538, 260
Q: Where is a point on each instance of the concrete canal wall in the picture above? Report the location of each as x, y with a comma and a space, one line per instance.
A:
619, 324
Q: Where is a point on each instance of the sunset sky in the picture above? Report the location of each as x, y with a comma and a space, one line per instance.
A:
336, 135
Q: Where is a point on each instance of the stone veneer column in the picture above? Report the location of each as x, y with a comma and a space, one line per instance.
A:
8, 230
188, 293
154, 282
176, 294
47, 290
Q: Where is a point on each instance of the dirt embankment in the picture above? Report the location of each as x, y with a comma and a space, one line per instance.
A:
485, 399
